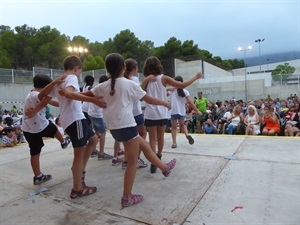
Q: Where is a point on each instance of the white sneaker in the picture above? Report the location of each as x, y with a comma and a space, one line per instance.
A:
141, 163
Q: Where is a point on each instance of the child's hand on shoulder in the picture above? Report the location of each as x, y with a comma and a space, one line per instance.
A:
60, 79
151, 78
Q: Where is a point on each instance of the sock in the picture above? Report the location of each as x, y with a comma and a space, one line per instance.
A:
39, 176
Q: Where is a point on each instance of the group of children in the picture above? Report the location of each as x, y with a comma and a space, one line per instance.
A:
119, 98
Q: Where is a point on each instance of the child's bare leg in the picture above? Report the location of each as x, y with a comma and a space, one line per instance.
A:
89, 148
131, 149
174, 130
150, 155
59, 137
152, 137
102, 142
35, 164
77, 168
116, 148
160, 138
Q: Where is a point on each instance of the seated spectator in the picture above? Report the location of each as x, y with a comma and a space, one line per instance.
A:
269, 121
252, 121
9, 139
19, 135
209, 126
292, 127
235, 119
224, 120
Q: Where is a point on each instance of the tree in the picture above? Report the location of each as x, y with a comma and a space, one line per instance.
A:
93, 63
282, 72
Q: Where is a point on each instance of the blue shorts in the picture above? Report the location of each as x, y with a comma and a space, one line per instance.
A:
177, 117
80, 132
98, 124
124, 134
139, 119
152, 123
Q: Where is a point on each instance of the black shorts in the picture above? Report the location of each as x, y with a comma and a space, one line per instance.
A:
152, 123
80, 132
35, 141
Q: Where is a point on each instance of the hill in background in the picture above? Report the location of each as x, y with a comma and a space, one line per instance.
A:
273, 58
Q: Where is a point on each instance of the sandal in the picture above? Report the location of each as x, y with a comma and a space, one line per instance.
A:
86, 190
174, 145
191, 140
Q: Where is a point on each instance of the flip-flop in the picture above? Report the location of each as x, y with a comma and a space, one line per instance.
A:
174, 145
191, 140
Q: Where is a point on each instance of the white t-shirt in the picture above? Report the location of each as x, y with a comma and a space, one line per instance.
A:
85, 105
157, 90
95, 111
70, 110
38, 122
178, 103
137, 108
118, 113
227, 115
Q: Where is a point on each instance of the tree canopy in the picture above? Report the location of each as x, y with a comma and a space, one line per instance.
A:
282, 72
25, 47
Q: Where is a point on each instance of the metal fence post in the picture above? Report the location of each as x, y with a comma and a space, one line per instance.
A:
12, 76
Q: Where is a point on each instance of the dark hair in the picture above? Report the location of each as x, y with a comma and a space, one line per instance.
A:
89, 80
103, 78
152, 66
9, 121
6, 130
130, 65
41, 81
71, 62
180, 91
114, 64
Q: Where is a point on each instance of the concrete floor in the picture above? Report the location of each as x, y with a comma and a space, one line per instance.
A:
220, 179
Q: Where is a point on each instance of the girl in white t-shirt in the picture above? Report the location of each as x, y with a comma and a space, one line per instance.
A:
119, 94
156, 116
179, 97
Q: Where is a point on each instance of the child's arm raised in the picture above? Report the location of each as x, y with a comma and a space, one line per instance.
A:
46, 90
166, 80
155, 101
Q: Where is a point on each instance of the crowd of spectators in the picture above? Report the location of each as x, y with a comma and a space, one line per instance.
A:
267, 116
10, 127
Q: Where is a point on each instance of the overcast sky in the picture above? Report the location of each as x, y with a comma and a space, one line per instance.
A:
219, 26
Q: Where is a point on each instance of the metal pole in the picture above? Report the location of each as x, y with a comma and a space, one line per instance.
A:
259, 57
245, 76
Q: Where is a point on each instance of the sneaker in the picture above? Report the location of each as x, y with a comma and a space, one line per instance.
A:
94, 154
134, 199
120, 152
191, 140
153, 167
124, 165
41, 179
170, 166
141, 163
116, 161
66, 143
104, 156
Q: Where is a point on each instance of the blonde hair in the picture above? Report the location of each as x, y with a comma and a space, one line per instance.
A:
252, 107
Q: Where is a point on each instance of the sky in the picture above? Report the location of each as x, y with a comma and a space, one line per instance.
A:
218, 26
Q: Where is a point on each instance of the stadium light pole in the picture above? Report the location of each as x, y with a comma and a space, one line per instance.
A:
78, 50
244, 50
259, 40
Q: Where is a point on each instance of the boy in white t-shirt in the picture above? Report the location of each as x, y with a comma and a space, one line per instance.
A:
35, 125
75, 124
